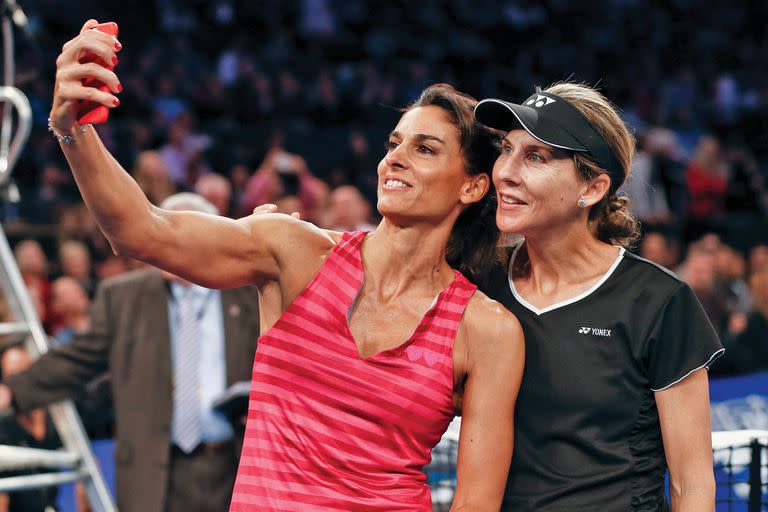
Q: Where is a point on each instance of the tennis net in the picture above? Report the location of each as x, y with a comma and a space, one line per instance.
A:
740, 466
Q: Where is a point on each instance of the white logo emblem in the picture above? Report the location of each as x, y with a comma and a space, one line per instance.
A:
540, 101
595, 331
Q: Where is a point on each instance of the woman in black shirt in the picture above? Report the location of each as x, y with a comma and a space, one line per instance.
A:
614, 389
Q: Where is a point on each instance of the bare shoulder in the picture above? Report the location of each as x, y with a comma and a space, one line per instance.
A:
489, 317
288, 235
491, 328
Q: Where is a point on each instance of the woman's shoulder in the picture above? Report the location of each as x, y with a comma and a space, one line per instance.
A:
488, 319
292, 234
645, 274
492, 337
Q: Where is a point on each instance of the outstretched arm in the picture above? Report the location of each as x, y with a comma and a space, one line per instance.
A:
212, 251
495, 355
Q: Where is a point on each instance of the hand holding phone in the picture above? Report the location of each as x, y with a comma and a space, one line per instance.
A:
89, 112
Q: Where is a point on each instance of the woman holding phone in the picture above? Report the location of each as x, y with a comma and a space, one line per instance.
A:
372, 341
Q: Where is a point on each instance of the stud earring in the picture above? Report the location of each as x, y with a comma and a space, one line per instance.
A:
582, 203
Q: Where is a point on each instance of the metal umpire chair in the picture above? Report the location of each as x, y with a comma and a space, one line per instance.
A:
76, 461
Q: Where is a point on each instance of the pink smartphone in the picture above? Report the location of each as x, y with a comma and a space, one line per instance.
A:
89, 112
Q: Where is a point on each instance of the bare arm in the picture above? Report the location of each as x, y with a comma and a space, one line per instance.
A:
495, 359
685, 427
213, 251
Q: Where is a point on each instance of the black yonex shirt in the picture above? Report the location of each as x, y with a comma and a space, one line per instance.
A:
587, 435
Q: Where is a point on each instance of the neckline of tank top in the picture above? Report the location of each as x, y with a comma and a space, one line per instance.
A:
396, 350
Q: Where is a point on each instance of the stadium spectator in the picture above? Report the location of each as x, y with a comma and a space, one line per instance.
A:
730, 276
70, 304
216, 189
698, 271
747, 349
30, 429
284, 174
152, 175
758, 258
75, 262
656, 183
707, 179
33, 266
660, 248
348, 210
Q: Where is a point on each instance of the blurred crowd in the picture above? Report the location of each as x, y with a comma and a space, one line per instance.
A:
290, 102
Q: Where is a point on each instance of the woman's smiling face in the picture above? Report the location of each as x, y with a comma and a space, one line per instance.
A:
423, 173
537, 184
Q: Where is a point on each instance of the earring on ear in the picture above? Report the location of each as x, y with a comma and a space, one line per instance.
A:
582, 203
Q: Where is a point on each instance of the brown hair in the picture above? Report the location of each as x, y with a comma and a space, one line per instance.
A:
472, 246
610, 219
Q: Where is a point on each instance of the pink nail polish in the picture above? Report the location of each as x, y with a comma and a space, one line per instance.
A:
116, 102
114, 61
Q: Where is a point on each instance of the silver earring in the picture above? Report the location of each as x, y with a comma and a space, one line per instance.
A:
582, 203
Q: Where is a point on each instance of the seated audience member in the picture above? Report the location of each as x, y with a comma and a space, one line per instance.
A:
660, 248
152, 175
31, 429
348, 210
70, 304
33, 266
698, 271
216, 189
75, 262
758, 258
747, 350
282, 174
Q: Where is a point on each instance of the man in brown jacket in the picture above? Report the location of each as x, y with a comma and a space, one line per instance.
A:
134, 337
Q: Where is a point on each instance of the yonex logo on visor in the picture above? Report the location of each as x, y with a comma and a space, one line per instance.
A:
540, 101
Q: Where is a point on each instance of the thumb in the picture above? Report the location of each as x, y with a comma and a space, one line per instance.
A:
89, 25
264, 208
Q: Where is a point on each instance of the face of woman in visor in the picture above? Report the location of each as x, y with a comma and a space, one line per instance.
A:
538, 186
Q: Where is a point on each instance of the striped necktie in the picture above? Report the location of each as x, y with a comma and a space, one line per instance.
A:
186, 424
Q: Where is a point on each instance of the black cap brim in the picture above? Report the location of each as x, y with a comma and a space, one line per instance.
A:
506, 116
552, 120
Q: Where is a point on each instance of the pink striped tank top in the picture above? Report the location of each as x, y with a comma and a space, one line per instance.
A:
329, 430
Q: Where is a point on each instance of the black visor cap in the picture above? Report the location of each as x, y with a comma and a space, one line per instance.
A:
553, 121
